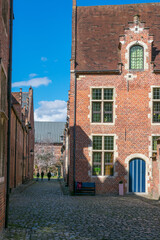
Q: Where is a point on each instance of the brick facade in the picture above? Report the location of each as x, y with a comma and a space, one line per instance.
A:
22, 138
4, 58
132, 126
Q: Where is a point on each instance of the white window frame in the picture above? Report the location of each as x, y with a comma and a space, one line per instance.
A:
154, 151
103, 151
127, 55
102, 105
153, 100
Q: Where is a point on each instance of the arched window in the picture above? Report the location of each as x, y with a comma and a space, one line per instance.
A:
136, 58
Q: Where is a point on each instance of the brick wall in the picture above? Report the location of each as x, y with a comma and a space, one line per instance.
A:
4, 55
132, 126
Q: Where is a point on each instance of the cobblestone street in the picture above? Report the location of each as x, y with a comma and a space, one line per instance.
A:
41, 211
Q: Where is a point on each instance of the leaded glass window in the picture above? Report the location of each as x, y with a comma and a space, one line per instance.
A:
102, 105
154, 145
136, 58
156, 105
103, 155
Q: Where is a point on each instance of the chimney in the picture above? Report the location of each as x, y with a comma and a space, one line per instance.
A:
74, 3
20, 97
136, 19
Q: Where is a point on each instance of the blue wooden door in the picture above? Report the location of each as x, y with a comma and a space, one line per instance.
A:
137, 172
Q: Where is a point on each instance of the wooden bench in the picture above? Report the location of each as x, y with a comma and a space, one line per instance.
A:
84, 188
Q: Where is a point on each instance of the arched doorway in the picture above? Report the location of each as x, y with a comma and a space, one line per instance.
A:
137, 173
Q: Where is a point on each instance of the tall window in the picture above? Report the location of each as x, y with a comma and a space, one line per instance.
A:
102, 105
154, 145
156, 105
102, 155
136, 58
2, 141
3, 91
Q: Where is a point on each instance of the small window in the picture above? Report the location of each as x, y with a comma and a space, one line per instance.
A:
3, 91
136, 58
154, 145
156, 105
103, 155
102, 105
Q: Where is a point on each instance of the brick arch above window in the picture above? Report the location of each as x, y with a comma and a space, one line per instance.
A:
145, 54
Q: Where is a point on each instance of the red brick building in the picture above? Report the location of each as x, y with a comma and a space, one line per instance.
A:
22, 138
4, 61
114, 100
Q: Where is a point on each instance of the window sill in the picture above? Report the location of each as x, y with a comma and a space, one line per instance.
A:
156, 124
98, 123
136, 70
103, 177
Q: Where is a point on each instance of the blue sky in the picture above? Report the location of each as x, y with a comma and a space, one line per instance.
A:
42, 52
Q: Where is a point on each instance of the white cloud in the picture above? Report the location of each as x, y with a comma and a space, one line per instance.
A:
44, 59
51, 111
32, 75
35, 82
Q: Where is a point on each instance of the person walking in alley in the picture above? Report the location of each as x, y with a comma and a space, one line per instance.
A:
49, 175
37, 176
42, 175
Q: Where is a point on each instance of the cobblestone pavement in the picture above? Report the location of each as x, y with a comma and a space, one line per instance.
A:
41, 211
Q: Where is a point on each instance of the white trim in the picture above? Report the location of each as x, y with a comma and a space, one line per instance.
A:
127, 54
151, 104
143, 157
115, 151
114, 105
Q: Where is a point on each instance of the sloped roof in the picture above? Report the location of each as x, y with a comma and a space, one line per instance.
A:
99, 28
48, 132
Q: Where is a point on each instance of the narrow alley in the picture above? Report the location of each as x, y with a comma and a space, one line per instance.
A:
41, 211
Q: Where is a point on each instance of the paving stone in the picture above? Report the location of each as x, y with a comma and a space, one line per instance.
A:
42, 211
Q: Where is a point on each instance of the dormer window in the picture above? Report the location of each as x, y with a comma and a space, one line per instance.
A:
136, 58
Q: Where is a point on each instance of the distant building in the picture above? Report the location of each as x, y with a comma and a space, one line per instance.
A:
114, 100
48, 140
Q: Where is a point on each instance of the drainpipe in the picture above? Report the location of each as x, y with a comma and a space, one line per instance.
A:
15, 164
9, 114
23, 158
75, 96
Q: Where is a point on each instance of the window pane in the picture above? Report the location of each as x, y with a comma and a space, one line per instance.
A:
108, 114
97, 143
136, 57
97, 159
108, 94
108, 170
156, 93
108, 142
96, 94
96, 112
154, 143
156, 112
